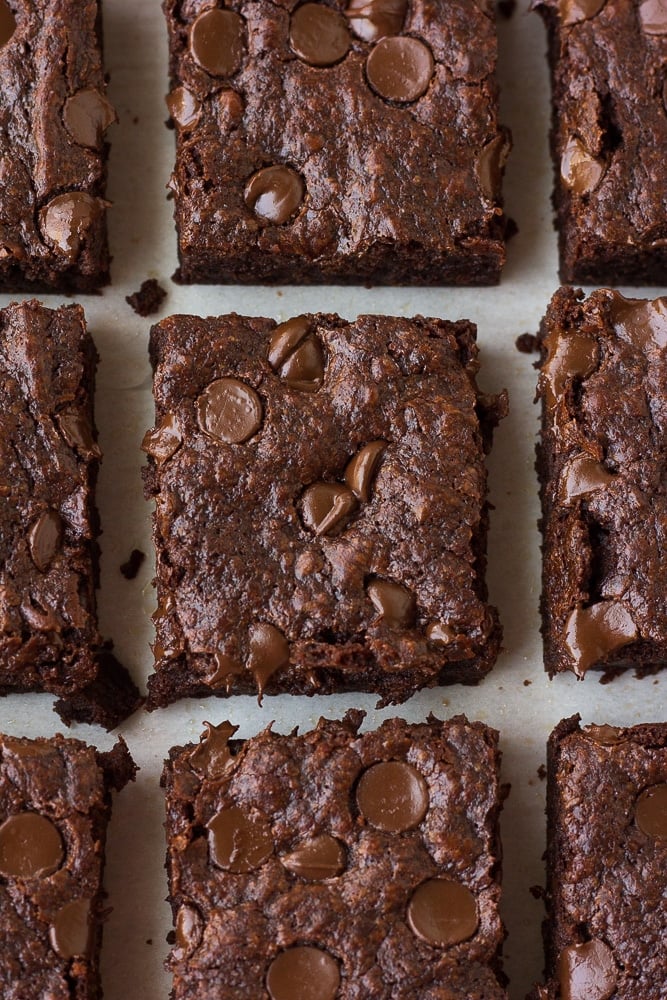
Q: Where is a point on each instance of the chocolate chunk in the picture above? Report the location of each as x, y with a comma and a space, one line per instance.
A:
653, 17
319, 34
230, 410
580, 171
651, 812
442, 912
317, 859
592, 633
604, 735
400, 68
373, 19
236, 843
130, 568
587, 972
274, 194
189, 930
580, 477
574, 11
212, 756
70, 931
641, 322
360, 470
66, 219
570, 356
296, 355
303, 973
327, 506
393, 796
77, 431
7, 23
490, 166
286, 338
45, 539
148, 299
30, 846
87, 115
216, 41
184, 108
164, 441
226, 669
396, 604
269, 651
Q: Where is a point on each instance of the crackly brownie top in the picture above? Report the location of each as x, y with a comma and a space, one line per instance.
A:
364, 862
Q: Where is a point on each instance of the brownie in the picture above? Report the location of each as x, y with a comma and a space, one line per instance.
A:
53, 115
55, 805
337, 142
49, 457
608, 137
148, 299
336, 864
321, 511
607, 863
601, 464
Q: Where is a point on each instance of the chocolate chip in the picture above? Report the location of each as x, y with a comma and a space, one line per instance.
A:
360, 470
45, 538
70, 931
592, 633
373, 19
131, 567
443, 912
184, 108
30, 846
587, 972
212, 756
7, 23
87, 115
297, 355
238, 844
303, 973
580, 171
216, 41
164, 441
651, 812
574, 11
653, 17
568, 356
226, 669
229, 410
604, 735
269, 651
400, 68
286, 338
440, 633
393, 796
640, 321
189, 930
77, 431
319, 34
326, 506
317, 859
395, 603
581, 476
490, 164
66, 220
274, 194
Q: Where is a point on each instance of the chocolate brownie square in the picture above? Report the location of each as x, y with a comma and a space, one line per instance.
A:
608, 138
321, 514
607, 863
601, 464
336, 864
337, 142
53, 115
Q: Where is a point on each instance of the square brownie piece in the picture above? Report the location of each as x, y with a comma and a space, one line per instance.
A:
53, 115
606, 862
608, 138
337, 142
601, 464
367, 864
55, 805
321, 512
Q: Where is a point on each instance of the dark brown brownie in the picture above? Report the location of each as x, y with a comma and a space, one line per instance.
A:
48, 521
337, 142
336, 864
55, 805
601, 464
607, 863
321, 509
608, 138
53, 115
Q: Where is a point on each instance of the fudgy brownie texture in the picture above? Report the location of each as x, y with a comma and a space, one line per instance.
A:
606, 863
321, 515
55, 804
337, 142
336, 864
53, 115
601, 464
48, 522
608, 137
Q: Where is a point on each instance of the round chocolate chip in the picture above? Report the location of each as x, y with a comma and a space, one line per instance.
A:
653, 17
269, 651
189, 930
317, 859
326, 506
443, 912
396, 604
274, 194
229, 410
184, 108
360, 470
45, 538
66, 220
587, 972
373, 19
296, 354
393, 796
238, 844
70, 932
7, 23
651, 812
30, 846
580, 172
319, 34
400, 68
303, 973
216, 41
86, 116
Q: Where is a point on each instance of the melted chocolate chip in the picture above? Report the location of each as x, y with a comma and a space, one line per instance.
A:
396, 604
327, 506
440, 633
580, 171
216, 41
592, 633
442, 912
30, 846
651, 812
66, 220
400, 68
164, 441
393, 796
604, 735
189, 930
184, 108
238, 844
490, 166
319, 34
212, 756
569, 356
640, 321
373, 19
286, 338
226, 669
297, 355
274, 194
574, 11
229, 410
77, 431
580, 477
317, 859
303, 973
45, 539
86, 116
7, 23
70, 932
653, 17
360, 470
587, 972
269, 651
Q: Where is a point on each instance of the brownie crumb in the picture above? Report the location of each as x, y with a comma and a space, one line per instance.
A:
527, 343
506, 8
130, 568
527, 683
149, 298
536, 891
541, 772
